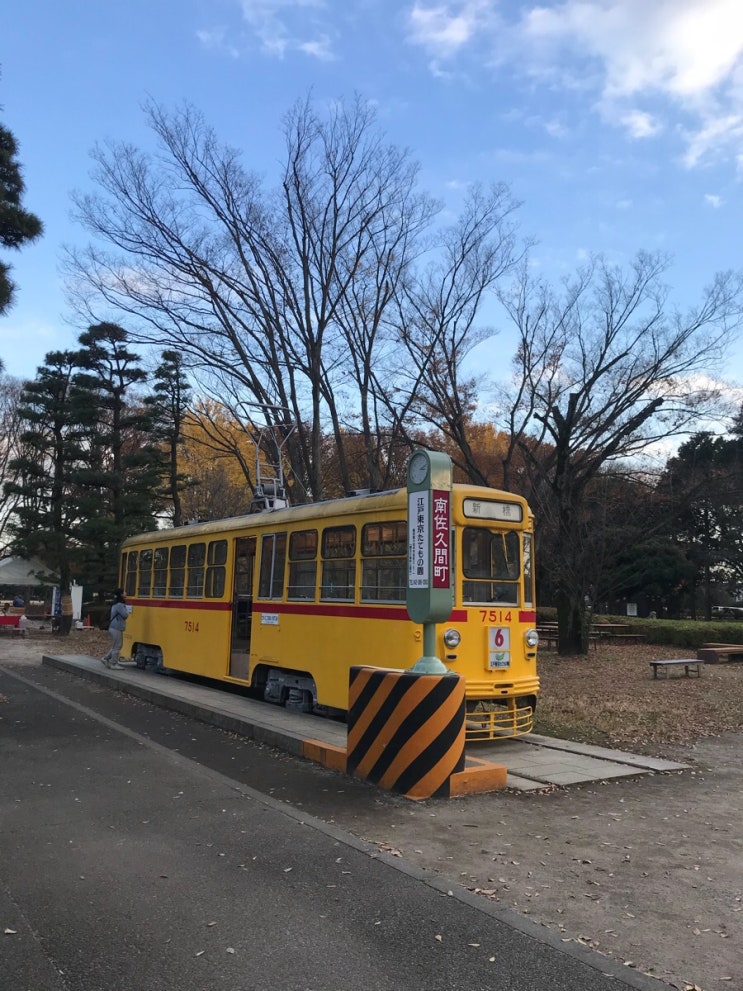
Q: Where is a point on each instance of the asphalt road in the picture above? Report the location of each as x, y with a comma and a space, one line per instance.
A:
141, 850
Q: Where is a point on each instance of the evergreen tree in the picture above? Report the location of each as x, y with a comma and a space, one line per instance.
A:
704, 485
47, 514
169, 405
119, 483
17, 225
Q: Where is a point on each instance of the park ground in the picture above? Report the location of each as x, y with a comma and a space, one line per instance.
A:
647, 870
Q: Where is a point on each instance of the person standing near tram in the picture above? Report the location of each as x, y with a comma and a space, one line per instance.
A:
116, 627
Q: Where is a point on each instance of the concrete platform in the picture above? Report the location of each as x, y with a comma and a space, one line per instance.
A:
532, 762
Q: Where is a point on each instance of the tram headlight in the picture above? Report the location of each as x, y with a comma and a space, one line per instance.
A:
452, 639
532, 638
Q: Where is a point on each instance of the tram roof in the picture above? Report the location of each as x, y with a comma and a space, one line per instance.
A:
345, 506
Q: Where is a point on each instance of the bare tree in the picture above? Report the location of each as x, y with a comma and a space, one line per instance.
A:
10, 428
605, 367
256, 288
438, 317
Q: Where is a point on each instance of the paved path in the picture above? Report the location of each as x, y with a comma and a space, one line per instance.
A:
533, 762
127, 865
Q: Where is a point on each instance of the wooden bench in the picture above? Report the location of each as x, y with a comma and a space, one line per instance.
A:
547, 638
550, 638
714, 653
686, 662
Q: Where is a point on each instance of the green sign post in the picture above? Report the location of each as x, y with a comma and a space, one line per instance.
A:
430, 589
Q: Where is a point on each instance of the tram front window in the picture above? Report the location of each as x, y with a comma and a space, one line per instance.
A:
491, 566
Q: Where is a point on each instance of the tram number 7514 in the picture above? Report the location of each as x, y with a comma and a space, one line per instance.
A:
495, 615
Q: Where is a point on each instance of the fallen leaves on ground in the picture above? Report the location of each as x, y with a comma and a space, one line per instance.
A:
609, 697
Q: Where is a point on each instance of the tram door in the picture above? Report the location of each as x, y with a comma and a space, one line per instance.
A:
242, 607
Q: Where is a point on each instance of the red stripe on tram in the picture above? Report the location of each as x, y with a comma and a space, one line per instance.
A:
343, 611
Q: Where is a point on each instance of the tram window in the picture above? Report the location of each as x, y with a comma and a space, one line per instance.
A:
338, 580
273, 563
383, 579
131, 573
196, 560
216, 557
338, 566
145, 573
491, 562
339, 541
385, 539
528, 571
383, 569
177, 571
244, 559
160, 573
490, 555
122, 571
303, 545
302, 564
506, 593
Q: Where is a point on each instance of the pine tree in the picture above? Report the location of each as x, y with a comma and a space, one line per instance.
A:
48, 510
17, 225
120, 481
169, 405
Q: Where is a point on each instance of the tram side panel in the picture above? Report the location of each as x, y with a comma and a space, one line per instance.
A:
189, 637
319, 641
325, 643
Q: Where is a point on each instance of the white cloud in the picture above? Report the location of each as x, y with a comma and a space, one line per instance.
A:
640, 124
320, 49
650, 63
715, 134
215, 39
444, 28
680, 47
281, 26
679, 56
555, 129
263, 11
713, 200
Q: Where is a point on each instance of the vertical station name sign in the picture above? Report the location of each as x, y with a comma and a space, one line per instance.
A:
430, 591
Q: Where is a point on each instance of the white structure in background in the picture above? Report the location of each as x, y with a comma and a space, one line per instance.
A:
76, 592
21, 577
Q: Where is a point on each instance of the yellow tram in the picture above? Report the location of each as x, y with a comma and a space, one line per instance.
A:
286, 601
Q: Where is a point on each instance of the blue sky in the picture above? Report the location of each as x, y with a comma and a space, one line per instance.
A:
617, 123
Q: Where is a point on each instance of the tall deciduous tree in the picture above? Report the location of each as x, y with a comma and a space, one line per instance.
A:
604, 368
219, 453
438, 324
10, 429
17, 225
300, 301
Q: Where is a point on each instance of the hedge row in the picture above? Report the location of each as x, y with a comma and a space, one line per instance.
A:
673, 632
688, 632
